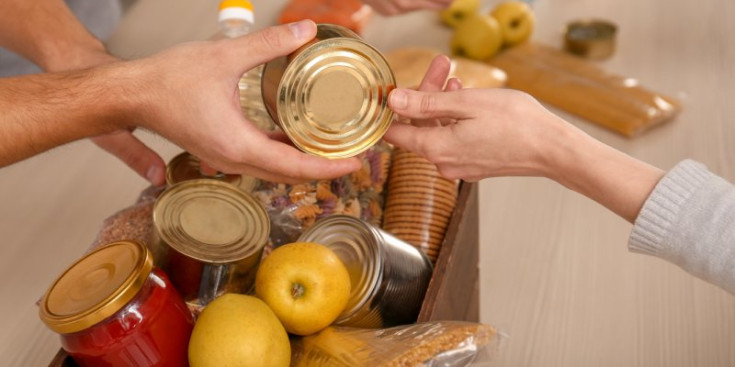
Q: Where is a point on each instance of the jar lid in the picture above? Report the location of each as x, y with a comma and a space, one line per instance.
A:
96, 286
186, 166
356, 244
332, 99
211, 221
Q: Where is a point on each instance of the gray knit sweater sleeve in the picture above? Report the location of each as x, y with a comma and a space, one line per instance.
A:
689, 220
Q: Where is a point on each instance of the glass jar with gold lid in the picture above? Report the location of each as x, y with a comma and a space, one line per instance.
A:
330, 96
114, 308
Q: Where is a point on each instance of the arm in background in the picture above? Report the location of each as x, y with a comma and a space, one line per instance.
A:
47, 33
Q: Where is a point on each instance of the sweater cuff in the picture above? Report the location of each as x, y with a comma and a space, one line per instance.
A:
662, 207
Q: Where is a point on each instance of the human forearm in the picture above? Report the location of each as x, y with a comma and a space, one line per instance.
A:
47, 33
47, 110
508, 133
617, 181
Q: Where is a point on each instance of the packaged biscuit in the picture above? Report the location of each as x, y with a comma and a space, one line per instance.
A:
443, 343
420, 202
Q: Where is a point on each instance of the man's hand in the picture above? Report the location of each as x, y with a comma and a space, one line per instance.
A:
189, 95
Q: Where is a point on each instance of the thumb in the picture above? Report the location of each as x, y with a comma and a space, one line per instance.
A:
263, 46
427, 105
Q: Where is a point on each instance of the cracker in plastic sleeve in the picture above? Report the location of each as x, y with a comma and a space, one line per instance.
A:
440, 343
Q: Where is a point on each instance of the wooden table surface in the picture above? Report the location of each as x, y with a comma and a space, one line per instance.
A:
556, 276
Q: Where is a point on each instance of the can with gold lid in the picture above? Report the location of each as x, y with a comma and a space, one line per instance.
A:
331, 95
211, 236
186, 166
389, 277
114, 308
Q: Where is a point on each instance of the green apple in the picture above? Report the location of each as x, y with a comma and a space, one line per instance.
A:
516, 21
305, 284
458, 11
238, 330
477, 37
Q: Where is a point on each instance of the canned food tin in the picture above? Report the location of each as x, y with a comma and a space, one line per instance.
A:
211, 237
331, 95
185, 166
389, 277
592, 39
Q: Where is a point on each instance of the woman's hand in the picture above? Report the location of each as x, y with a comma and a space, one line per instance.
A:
475, 133
472, 134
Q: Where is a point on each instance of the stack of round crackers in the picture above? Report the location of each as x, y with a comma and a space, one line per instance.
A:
420, 202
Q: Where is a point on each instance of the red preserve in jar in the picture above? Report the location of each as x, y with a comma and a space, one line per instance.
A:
113, 308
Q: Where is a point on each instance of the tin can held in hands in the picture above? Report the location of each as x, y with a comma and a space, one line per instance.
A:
211, 237
389, 277
330, 96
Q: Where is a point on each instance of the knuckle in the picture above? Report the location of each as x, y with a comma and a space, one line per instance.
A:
270, 38
427, 105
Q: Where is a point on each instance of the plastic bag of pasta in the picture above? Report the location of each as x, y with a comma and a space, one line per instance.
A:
442, 343
294, 208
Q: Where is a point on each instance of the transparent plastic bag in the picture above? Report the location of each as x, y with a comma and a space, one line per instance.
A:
441, 343
294, 208
132, 223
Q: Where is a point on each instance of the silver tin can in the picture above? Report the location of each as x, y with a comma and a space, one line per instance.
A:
389, 276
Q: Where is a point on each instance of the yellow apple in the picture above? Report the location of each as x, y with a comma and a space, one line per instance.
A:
477, 37
305, 284
458, 11
238, 330
516, 21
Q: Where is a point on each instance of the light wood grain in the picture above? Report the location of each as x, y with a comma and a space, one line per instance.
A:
555, 272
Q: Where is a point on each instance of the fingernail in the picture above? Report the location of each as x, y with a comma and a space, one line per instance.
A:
399, 99
301, 29
153, 173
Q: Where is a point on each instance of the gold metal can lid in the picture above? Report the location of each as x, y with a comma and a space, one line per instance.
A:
333, 98
211, 221
185, 166
356, 244
96, 286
